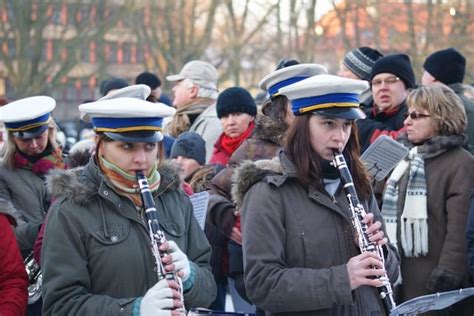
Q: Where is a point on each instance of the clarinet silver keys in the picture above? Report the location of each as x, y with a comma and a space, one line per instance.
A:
358, 214
157, 236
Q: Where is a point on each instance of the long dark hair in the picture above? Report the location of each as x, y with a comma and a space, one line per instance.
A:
308, 162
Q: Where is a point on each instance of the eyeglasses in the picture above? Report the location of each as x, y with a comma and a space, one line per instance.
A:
388, 81
415, 115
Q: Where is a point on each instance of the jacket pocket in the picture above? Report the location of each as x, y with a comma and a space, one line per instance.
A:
173, 228
114, 233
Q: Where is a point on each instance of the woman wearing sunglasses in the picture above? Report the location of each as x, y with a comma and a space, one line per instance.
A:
426, 198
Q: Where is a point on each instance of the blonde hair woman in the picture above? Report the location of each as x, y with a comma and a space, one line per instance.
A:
426, 199
29, 154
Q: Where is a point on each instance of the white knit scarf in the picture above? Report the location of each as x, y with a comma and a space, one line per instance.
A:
414, 218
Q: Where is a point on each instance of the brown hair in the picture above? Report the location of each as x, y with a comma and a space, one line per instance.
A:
10, 147
308, 162
444, 106
275, 108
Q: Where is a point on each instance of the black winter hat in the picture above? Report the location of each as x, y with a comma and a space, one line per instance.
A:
447, 65
112, 84
397, 64
361, 60
189, 145
235, 100
148, 79
286, 62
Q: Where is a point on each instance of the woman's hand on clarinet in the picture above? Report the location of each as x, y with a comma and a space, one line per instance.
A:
374, 230
365, 269
175, 260
162, 299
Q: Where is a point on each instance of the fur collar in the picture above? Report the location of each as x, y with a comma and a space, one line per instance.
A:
80, 184
268, 129
250, 172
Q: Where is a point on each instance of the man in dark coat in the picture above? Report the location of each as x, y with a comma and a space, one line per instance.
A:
390, 79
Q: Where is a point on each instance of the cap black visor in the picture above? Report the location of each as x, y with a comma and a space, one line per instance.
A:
31, 133
342, 113
136, 136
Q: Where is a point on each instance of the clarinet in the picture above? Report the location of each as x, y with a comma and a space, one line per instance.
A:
157, 236
358, 214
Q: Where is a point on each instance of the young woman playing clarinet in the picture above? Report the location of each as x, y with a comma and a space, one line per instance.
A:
99, 255
301, 232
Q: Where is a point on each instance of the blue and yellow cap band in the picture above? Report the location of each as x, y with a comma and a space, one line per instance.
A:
274, 89
126, 124
342, 100
27, 125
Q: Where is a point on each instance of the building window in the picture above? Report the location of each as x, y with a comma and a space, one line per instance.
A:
86, 92
56, 14
127, 53
11, 48
70, 91
85, 56
112, 53
140, 54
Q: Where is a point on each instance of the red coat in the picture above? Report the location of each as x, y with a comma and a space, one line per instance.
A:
13, 278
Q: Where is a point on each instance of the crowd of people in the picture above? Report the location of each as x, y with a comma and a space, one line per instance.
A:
282, 232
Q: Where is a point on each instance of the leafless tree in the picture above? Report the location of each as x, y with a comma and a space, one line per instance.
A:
29, 25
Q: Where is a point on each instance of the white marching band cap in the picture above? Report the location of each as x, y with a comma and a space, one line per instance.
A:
28, 117
327, 95
138, 91
289, 75
127, 119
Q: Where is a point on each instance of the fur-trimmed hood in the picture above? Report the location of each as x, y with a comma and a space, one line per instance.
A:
80, 184
251, 172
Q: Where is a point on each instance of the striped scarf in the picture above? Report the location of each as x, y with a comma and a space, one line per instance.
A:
414, 218
126, 184
52, 159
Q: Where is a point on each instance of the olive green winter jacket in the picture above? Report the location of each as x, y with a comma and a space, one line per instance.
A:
96, 252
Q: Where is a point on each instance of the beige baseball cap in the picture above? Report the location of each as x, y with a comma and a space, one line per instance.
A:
199, 72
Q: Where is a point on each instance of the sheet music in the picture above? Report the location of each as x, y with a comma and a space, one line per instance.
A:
431, 302
382, 156
200, 201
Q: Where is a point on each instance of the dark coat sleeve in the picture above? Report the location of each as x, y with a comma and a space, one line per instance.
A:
470, 236
13, 278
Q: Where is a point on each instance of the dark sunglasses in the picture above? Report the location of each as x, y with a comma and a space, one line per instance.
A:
415, 115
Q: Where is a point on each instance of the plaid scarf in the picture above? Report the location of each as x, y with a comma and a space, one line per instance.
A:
124, 183
41, 166
414, 218
181, 121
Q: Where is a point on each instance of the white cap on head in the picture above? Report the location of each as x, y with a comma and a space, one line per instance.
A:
288, 75
138, 91
127, 119
327, 95
27, 117
199, 72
